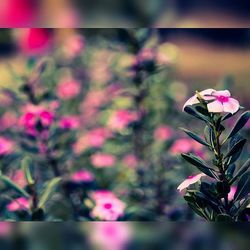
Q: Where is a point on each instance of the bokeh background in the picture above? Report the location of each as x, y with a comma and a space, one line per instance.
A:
110, 13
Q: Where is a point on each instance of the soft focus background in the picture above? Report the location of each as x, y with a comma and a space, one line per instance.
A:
132, 13
101, 108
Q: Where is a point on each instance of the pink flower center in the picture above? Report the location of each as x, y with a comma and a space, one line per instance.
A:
107, 205
222, 98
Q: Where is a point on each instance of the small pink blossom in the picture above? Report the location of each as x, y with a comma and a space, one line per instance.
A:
102, 194
19, 178
34, 41
110, 235
82, 176
102, 160
130, 160
6, 146
109, 209
189, 181
68, 89
97, 137
32, 115
8, 120
219, 101
69, 122
163, 133
120, 119
186, 145
5, 228
18, 205
73, 46
232, 192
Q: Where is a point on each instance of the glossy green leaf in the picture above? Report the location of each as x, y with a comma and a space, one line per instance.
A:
243, 187
241, 171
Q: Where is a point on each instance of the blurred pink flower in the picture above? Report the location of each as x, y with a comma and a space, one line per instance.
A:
5, 228
19, 178
73, 46
18, 13
232, 193
109, 209
97, 137
147, 54
6, 146
34, 41
120, 119
68, 89
19, 204
102, 194
163, 133
69, 122
8, 120
33, 114
102, 160
82, 176
186, 145
110, 235
221, 101
130, 160
189, 181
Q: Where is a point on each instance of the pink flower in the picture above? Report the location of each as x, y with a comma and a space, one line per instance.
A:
219, 101
130, 160
232, 193
32, 115
68, 89
110, 235
19, 178
8, 120
102, 194
69, 122
5, 228
34, 41
163, 133
6, 146
102, 160
189, 181
109, 209
82, 176
73, 46
120, 119
18, 13
186, 145
97, 137
19, 204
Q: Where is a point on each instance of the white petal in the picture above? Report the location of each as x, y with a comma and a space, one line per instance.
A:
191, 101
231, 106
215, 107
221, 93
207, 92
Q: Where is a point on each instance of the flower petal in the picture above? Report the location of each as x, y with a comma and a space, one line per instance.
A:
191, 101
207, 92
189, 181
215, 107
232, 106
221, 93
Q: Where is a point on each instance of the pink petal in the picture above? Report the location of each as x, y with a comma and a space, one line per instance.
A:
221, 93
191, 101
207, 92
215, 107
232, 106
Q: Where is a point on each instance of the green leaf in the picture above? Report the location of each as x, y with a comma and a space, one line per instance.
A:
193, 112
8, 182
236, 148
48, 191
200, 164
224, 218
242, 121
25, 164
241, 171
195, 137
243, 187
